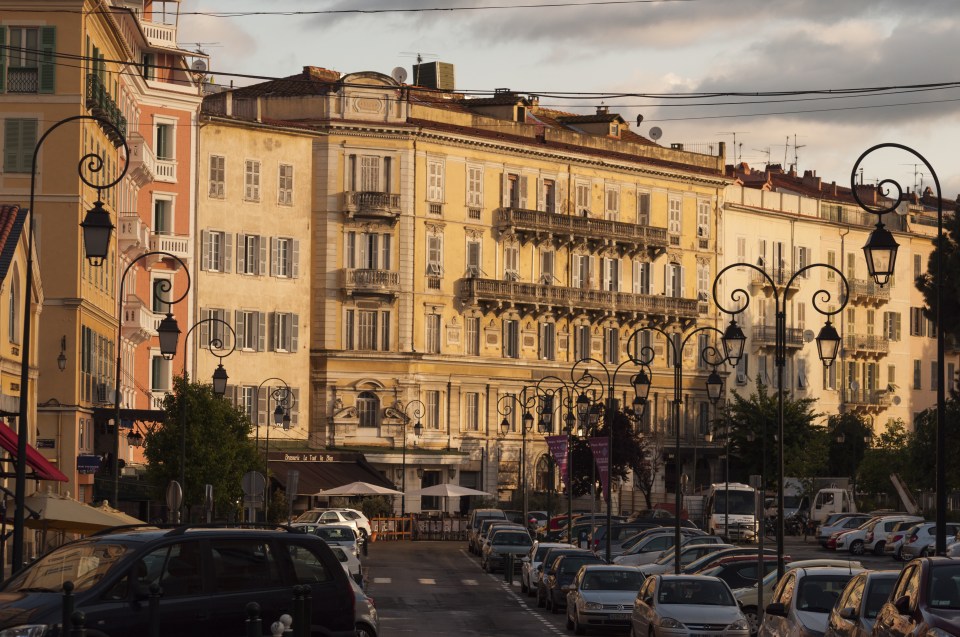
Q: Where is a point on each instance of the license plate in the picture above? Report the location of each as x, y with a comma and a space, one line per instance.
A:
620, 616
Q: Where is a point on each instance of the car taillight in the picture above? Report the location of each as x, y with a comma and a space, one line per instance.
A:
869, 537
372, 603
897, 537
913, 538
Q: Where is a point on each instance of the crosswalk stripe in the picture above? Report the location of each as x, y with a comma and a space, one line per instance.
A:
427, 580
470, 582
382, 580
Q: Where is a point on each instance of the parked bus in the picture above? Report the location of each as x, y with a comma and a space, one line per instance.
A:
742, 513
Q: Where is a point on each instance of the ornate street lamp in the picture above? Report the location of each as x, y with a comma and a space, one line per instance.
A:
526, 424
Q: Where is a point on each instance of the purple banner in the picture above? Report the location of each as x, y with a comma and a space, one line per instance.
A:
601, 451
558, 449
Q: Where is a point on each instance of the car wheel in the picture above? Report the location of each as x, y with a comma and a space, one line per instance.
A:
878, 548
578, 628
555, 608
750, 613
548, 603
364, 630
570, 624
857, 547
541, 600
523, 585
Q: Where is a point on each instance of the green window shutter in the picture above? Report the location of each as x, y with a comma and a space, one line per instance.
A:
3, 59
28, 143
11, 145
48, 44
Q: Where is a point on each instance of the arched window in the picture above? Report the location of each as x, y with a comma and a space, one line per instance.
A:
544, 473
13, 320
368, 409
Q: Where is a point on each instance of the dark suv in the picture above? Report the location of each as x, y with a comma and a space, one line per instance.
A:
206, 577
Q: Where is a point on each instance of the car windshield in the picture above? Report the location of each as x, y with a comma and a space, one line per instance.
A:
572, 563
879, 592
741, 502
335, 534
818, 593
309, 517
511, 539
604, 580
694, 591
83, 563
944, 589
666, 558
541, 551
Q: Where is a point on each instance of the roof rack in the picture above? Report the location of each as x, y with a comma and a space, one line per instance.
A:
183, 528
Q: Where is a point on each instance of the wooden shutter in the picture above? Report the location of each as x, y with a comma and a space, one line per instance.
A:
274, 318
575, 271
263, 404
561, 197
204, 250
47, 74
295, 332
227, 252
261, 332
274, 257
11, 145
3, 59
262, 265
241, 253
204, 327
541, 200
240, 327
523, 192
295, 259
505, 190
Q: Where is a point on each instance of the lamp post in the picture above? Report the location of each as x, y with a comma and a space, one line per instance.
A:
419, 410
710, 355
526, 423
610, 408
566, 400
97, 228
828, 345
215, 344
283, 398
714, 393
168, 332
881, 254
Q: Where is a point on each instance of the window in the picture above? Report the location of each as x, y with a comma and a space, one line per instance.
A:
213, 330
871, 320
611, 345
471, 407
832, 262
582, 270
218, 177
285, 185
148, 63
803, 260
13, 307
675, 215
472, 335
583, 198
919, 324
432, 402
162, 216
549, 195
164, 146
548, 260
238, 565
215, 250
475, 186
368, 409
473, 258
251, 180
251, 330
612, 208
510, 416
434, 254
285, 332
251, 254
511, 261
610, 274
161, 293
830, 377
917, 380
364, 251
284, 257
673, 280
511, 338
160, 374
743, 369
548, 340
703, 282
851, 266
23, 60
801, 373
19, 142
435, 181
366, 330
934, 377
643, 208
369, 173
433, 334
703, 218
642, 277
917, 266
891, 325
582, 342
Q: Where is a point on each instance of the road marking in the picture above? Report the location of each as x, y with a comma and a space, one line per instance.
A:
470, 582
427, 580
382, 580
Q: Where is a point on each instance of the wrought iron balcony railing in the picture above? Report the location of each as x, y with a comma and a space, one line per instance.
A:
766, 336
867, 291
865, 344
102, 105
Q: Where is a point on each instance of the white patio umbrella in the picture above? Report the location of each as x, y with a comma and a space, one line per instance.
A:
449, 491
358, 488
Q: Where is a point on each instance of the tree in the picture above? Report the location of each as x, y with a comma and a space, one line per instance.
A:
886, 456
804, 445
629, 451
922, 444
927, 283
651, 466
844, 457
218, 448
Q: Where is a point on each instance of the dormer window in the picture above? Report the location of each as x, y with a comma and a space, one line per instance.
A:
521, 114
615, 129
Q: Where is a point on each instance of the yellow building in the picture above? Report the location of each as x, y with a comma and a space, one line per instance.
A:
465, 248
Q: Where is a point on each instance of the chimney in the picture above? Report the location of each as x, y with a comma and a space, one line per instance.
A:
320, 73
603, 109
810, 179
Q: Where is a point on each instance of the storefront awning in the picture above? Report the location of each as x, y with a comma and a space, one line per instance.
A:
42, 468
320, 475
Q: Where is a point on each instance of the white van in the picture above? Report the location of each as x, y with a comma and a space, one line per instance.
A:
829, 501
739, 522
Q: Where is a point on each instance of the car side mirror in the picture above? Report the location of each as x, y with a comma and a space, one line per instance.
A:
848, 613
777, 609
902, 604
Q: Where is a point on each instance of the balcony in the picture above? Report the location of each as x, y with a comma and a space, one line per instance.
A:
493, 295
178, 245
766, 336
139, 322
863, 345
133, 235
548, 227
780, 276
868, 292
160, 35
22, 80
166, 170
867, 399
383, 206
100, 104
142, 166
370, 282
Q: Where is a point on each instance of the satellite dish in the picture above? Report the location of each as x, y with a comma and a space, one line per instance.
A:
854, 385
896, 400
199, 65
639, 119
399, 74
656, 133
807, 336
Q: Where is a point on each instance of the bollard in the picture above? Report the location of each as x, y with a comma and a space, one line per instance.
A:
77, 620
68, 600
253, 620
298, 595
153, 612
508, 568
363, 546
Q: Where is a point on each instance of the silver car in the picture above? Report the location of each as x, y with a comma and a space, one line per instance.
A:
602, 596
920, 540
688, 555
339, 535
529, 573
365, 616
856, 611
686, 605
803, 600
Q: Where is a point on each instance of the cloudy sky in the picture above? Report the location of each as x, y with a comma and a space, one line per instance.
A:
804, 51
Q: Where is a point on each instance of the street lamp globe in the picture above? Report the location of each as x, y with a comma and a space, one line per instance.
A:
641, 387
527, 421
828, 343
97, 228
571, 421
278, 415
504, 426
714, 387
417, 429
168, 332
220, 381
583, 408
733, 341
881, 254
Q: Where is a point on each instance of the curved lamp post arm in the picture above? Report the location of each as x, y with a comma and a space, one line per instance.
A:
215, 344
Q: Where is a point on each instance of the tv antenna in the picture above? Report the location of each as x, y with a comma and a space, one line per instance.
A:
917, 179
796, 161
765, 151
737, 150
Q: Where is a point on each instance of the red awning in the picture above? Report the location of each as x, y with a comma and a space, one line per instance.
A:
44, 469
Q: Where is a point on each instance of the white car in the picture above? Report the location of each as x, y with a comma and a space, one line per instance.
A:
349, 562
350, 517
853, 539
803, 600
646, 551
676, 605
879, 530
688, 555
529, 573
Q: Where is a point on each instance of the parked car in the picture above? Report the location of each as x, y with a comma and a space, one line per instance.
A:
925, 600
619, 534
894, 543
548, 559
878, 532
739, 571
503, 542
685, 534
350, 517
674, 604
529, 568
349, 562
207, 575
859, 603
845, 522
366, 619
339, 535
646, 551
711, 558
803, 600
487, 526
920, 539
688, 555
473, 526
602, 596
559, 579
852, 539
